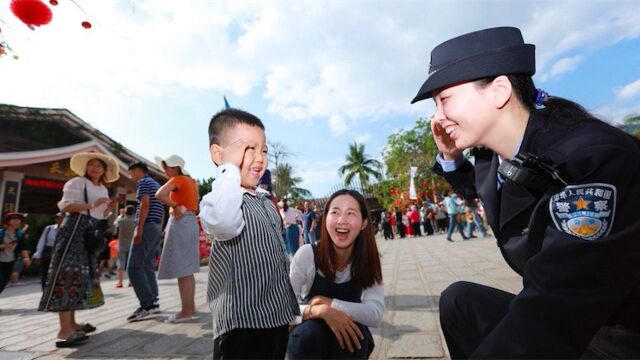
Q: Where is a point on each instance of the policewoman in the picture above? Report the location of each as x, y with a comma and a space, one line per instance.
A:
561, 192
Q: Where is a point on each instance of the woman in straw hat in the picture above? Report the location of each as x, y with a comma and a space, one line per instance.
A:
180, 253
72, 283
560, 190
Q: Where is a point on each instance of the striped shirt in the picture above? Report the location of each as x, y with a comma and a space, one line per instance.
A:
148, 186
248, 285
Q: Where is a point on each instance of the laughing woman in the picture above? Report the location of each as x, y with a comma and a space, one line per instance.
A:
72, 283
340, 283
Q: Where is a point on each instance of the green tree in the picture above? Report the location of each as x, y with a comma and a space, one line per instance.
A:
286, 184
413, 147
359, 164
632, 125
204, 186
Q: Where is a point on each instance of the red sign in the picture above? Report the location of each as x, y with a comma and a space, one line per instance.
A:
42, 183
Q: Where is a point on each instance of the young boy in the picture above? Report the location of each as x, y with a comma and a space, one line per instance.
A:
248, 290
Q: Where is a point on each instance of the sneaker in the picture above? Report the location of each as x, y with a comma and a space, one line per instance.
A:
155, 308
139, 314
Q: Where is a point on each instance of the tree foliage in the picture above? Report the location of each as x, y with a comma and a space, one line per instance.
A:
285, 183
359, 164
204, 186
413, 147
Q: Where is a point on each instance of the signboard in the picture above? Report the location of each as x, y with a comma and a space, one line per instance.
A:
10, 198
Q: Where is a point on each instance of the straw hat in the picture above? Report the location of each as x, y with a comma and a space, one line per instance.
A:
79, 165
172, 161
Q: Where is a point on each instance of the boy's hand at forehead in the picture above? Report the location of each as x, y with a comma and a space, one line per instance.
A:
237, 152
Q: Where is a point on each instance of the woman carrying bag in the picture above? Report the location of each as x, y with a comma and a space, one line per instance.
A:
72, 283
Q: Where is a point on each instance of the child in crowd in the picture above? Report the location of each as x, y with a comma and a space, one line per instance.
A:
340, 282
248, 289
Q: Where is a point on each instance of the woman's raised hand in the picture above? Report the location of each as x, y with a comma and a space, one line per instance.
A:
445, 144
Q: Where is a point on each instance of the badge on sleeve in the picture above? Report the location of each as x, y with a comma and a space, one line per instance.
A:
585, 210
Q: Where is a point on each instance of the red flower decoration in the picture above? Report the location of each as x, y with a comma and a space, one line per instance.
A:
31, 12
86, 25
53, 2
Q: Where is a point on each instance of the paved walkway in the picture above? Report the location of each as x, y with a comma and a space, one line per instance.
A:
415, 271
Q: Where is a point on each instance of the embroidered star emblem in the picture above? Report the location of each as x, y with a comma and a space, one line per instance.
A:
582, 204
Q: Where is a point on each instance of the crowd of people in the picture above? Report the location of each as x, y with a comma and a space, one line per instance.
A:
451, 213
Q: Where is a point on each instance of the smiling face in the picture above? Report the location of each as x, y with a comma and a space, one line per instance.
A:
95, 169
255, 160
344, 221
465, 112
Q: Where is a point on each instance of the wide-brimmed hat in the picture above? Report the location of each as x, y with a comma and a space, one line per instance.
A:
172, 161
79, 162
477, 55
11, 215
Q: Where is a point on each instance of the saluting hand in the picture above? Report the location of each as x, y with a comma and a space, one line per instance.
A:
445, 144
237, 153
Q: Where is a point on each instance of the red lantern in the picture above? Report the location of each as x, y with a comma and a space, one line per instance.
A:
86, 25
31, 12
53, 2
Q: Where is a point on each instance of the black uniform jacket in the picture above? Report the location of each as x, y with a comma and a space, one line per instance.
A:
573, 284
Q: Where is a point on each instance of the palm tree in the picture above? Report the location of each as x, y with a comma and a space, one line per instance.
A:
361, 165
285, 183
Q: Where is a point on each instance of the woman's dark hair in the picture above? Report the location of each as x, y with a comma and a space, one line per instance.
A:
560, 109
285, 206
139, 165
102, 179
365, 259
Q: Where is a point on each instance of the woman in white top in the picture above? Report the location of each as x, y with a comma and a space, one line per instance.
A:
339, 280
72, 283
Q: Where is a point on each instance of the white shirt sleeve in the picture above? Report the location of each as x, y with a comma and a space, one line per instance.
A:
301, 274
72, 192
449, 165
41, 242
220, 210
370, 312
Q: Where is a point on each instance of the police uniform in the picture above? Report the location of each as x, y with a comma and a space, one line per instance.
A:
577, 247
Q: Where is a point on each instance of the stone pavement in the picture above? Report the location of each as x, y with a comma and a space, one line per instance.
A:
415, 271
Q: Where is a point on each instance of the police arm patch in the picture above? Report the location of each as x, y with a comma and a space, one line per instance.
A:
585, 211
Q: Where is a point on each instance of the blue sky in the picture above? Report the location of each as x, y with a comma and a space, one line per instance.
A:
320, 74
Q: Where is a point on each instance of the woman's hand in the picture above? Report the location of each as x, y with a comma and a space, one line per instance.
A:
343, 327
178, 211
445, 144
101, 201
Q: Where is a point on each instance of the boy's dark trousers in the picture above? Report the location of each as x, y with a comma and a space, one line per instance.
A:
268, 343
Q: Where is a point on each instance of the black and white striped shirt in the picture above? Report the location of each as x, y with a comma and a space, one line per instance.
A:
248, 285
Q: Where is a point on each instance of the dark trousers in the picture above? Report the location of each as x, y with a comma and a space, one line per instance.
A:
468, 313
416, 229
313, 339
400, 228
44, 269
6, 268
388, 232
428, 228
268, 343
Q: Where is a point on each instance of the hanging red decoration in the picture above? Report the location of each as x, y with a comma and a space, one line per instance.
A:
53, 2
86, 25
31, 12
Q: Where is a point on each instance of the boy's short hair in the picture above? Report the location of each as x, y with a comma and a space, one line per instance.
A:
139, 165
228, 118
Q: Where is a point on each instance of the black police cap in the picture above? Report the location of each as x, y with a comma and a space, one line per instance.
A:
478, 55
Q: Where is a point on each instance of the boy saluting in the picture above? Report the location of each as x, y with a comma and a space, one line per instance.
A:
248, 289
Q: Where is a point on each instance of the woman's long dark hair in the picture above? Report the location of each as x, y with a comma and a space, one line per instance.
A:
365, 259
556, 108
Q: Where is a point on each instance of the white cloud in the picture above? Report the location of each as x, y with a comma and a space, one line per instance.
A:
630, 90
363, 138
562, 66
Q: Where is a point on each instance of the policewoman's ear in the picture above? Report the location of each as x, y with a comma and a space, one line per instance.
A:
215, 151
502, 90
